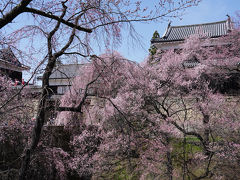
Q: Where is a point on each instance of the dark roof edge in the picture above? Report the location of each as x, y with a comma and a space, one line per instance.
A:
175, 40
82, 64
23, 67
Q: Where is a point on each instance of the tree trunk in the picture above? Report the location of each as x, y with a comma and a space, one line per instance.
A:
40, 119
169, 166
206, 132
169, 159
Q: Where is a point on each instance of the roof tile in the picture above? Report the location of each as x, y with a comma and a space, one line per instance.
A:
179, 33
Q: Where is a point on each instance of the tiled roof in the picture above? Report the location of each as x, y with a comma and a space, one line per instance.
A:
67, 71
179, 33
8, 56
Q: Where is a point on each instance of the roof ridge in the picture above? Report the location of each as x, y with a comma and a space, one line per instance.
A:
224, 21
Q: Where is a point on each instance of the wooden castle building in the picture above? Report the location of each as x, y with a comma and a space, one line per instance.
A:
10, 66
174, 37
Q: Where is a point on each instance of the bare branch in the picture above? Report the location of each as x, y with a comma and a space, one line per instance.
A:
51, 16
14, 13
80, 54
